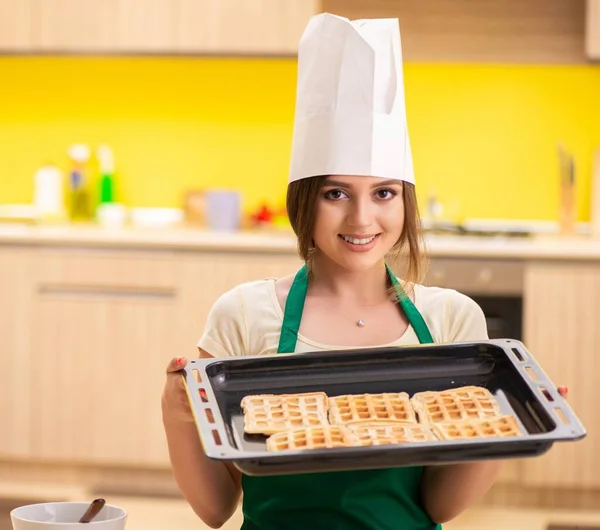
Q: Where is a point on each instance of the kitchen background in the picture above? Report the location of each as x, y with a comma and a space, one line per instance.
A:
490, 93
175, 100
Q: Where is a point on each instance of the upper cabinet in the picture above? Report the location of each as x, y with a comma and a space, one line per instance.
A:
482, 31
16, 25
592, 40
235, 27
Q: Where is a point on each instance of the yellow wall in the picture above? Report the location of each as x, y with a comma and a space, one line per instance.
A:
484, 137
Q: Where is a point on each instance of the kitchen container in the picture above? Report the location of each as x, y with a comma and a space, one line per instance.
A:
65, 516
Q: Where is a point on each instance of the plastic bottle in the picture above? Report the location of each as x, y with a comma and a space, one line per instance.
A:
106, 162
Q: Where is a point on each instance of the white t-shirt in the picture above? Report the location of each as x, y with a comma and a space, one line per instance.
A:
247, 319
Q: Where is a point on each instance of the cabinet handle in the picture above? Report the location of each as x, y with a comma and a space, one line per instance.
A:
99, 291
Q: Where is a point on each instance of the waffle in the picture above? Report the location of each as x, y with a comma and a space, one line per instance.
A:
270, 413
469, 402
382, 409
323, 437
399, 433
501, 426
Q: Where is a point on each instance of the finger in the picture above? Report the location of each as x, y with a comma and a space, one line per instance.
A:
176, 364
563, 391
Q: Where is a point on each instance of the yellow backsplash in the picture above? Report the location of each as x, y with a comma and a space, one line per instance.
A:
484, 137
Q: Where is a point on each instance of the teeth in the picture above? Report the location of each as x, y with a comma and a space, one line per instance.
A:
356, 241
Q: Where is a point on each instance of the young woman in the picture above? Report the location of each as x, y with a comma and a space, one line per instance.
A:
349, 226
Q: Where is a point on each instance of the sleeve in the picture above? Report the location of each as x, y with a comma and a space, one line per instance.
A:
225, 334
466, 320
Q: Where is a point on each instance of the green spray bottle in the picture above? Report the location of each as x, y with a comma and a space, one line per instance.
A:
106, 166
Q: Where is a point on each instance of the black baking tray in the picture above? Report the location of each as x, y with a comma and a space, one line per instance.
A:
503, 366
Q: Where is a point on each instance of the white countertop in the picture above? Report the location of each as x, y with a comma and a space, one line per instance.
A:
283, 241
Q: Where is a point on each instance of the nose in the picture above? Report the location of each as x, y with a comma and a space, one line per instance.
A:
360, 212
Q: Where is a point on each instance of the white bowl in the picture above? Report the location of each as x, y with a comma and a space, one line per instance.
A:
64, 516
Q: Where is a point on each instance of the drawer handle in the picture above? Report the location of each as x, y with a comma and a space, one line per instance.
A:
106, 291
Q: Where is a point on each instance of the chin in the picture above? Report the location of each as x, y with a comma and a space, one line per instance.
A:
359, 263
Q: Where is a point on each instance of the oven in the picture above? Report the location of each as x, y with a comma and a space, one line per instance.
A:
495, 284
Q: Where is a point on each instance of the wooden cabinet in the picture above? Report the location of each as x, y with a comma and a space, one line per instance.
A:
562, 331
592, 29
269, 27
106, 325
16, 290
506, 31
16, 25
246, 26
87, 334
74, 26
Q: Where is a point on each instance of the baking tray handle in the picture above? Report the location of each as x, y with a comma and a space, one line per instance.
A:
203, 403
562, 413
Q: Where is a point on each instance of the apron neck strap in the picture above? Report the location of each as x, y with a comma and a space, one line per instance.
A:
294, 307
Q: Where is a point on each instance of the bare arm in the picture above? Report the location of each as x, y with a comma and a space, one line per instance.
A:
448, 490
211, 488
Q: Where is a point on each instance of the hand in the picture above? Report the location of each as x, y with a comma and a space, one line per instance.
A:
175, 403
563, 391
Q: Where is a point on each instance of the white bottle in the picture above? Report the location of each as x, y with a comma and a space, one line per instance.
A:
49, 194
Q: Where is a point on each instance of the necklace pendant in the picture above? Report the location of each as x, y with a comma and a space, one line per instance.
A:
360, 323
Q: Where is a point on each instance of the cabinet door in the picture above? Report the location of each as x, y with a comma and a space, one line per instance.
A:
241, 26
207, 275
145, 25
562, 331
75, 26
105, 328
592, 39
15, 334
16, 29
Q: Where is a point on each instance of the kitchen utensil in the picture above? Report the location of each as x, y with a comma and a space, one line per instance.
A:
567, 199
595, 204
66, 516
223, 210
504, 367
95, 506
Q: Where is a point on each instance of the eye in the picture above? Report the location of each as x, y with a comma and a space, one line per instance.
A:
385, 194
335, 195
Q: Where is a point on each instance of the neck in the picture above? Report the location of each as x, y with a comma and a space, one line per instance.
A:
366, 287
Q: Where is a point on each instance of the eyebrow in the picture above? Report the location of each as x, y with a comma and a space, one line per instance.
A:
389, 182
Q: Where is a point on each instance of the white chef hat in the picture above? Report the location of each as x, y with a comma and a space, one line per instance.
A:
350, 116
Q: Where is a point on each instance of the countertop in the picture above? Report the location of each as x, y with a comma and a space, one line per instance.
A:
578, 248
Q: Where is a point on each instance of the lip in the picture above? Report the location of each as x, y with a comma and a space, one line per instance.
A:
359, 236
359, 248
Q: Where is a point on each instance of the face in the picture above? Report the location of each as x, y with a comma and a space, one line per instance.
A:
358, 220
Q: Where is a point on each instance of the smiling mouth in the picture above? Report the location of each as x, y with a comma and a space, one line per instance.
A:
358, 241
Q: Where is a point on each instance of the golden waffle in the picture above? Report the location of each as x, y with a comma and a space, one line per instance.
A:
455, 405
270, 413
398, 433
501, 426
383, 409
323, 437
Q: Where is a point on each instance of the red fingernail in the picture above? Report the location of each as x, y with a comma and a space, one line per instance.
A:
564, 390
179, 361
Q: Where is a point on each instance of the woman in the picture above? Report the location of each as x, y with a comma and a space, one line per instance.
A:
349, 226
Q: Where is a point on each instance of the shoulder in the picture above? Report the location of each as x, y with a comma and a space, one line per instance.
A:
454, 316
245, 295
232, 318
438, 297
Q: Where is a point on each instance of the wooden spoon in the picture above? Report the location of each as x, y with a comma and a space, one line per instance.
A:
93, 510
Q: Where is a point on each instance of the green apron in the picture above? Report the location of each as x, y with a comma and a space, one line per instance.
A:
381, 499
